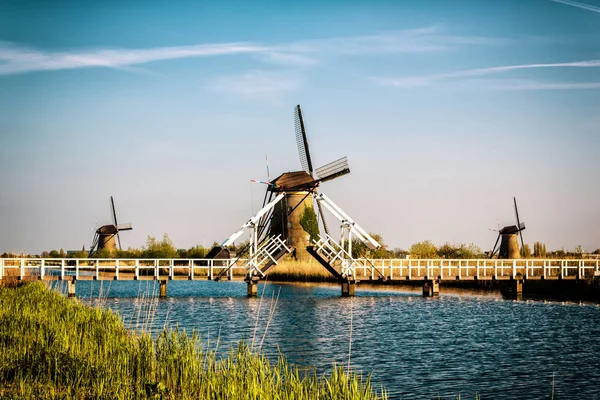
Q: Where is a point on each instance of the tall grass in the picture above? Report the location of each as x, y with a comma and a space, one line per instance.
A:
298, 271
53, 347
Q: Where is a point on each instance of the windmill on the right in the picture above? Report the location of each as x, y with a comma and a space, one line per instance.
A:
509, 246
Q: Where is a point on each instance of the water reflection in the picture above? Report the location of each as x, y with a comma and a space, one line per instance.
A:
463, 343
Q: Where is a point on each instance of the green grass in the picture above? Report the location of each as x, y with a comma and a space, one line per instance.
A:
54, 347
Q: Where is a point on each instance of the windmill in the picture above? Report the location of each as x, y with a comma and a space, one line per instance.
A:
509, 246
285, 217
283, 225
104, 238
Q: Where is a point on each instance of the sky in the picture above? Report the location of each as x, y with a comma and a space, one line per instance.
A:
446, 111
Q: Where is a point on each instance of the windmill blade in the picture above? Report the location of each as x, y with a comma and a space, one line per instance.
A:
119, 240
495, 244
520, 226
517, 213
268, 173
94, 244
302, 141
522, 243
333, 170
114, 213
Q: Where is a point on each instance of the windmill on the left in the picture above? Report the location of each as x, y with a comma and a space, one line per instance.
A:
104, 238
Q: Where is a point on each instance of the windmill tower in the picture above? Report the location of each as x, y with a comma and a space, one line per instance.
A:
299, 186
104, 238
509, 246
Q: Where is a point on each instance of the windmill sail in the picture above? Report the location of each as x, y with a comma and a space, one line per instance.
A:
333, 170
302, 141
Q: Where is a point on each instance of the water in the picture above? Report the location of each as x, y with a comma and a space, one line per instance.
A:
458, 344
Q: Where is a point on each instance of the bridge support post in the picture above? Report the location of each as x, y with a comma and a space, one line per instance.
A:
431, 288
348, 288
71, 287
162, 289
513, 289
252, 288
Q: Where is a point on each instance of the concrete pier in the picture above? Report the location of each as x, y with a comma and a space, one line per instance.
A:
71, 287
431, 288
513, 289
163, 289
252, 288
348, 288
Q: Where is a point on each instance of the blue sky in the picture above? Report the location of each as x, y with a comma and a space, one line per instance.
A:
446, 110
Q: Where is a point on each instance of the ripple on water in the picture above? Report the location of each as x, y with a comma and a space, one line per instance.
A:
417, 348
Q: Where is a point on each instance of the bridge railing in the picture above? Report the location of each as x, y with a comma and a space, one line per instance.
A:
86, 268
64, 268
477, 268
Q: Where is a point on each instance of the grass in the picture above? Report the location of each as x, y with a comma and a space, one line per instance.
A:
54, 347
309, 271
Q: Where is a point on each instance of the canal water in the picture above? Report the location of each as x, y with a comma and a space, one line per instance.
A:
460, 344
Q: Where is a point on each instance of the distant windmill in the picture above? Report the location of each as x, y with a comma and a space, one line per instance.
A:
104, 238
298, 186
509, 246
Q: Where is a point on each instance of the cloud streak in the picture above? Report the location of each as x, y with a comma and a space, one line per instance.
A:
523, 84
579, 5
422, 40
18, 59
426, 80
15, 60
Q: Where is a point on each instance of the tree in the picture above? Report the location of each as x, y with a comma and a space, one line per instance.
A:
539, 249
194, 252
424, 249
308, 221
578, 250
526, 251
129, 253
360, 250
400, 253
79, 254
461, 251
159, 248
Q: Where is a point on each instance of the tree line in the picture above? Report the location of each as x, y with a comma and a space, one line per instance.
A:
165, 248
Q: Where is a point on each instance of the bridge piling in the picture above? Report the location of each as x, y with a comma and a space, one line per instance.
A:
252, 288
431, 288
348, 287
71, 287
513, 289
163, 289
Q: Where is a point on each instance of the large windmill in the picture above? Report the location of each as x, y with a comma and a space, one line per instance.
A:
104, 238
298, 186
509, 246
278, 228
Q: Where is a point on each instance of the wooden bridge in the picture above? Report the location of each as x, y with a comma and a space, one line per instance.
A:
428, 271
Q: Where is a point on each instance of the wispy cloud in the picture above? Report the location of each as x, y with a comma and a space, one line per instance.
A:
422, 40
579, 5
522, 84
263, 84
15, 59
426, 80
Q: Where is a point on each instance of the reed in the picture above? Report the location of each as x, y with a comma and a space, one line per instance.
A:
289, 270
54, 347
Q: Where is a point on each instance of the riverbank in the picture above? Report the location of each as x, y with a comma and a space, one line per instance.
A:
54, 347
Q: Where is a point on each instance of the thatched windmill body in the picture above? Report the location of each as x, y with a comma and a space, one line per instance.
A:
508, 238
104, 237
299, 186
